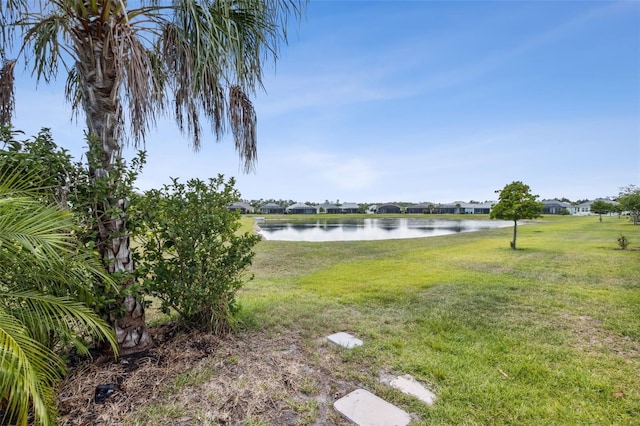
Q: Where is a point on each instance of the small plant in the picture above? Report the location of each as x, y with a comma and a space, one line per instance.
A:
623, 242
307, 410
308, 386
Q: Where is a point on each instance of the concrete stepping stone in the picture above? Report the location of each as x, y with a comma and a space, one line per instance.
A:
344, 339
365, 409
411, 386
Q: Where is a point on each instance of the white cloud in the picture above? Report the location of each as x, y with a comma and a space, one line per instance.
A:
336, 171
353, 174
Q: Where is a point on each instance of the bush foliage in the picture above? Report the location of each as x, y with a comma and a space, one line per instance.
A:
191, 255
623, 242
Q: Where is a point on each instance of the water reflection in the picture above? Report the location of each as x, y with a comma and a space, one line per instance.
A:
369, 229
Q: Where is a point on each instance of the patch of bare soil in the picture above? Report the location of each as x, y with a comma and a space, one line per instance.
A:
590, 335
200, 379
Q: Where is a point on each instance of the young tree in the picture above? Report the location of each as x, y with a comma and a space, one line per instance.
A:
601, 207
515, 203
629, 201
195, 59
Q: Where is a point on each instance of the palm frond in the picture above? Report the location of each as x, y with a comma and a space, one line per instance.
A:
43, 41
243, 124
23, 184
140, 82
43, 233
44, 278
45, 314
28, 371
10, 11
209, 48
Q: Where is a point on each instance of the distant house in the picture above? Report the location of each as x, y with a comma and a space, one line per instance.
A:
463, 208
481, 208
584, 209
242, 206
446, 209
466, 208
389, 208
555, 207
301, 209
419, 208
271, 208
329, 208
350, 208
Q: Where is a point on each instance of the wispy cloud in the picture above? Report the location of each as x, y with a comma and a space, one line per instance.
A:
336, 171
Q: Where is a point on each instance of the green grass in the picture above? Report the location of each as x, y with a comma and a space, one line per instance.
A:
547, 334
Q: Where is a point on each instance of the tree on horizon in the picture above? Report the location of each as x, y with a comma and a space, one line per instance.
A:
629, 201
601, 207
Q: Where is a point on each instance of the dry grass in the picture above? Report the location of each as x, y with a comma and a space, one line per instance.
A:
590, 336
252, 378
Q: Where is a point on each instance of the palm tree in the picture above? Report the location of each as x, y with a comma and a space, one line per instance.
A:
197, 60
43, 284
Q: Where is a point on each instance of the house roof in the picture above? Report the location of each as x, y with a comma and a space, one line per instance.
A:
485, 205
327, 206
301, 206
271, 206
241, 204
549, 203
606, 200
350, 206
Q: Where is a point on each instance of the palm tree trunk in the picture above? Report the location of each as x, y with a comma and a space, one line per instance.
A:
99, 90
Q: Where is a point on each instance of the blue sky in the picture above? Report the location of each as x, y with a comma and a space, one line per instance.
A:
380, 101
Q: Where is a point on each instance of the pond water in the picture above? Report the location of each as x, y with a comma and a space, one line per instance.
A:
364, 229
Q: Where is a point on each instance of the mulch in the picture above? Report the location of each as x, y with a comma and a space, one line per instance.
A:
196, 379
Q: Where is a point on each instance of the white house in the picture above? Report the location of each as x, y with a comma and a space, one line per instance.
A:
584, 209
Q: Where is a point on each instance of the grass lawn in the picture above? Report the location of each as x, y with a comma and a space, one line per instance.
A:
547, 334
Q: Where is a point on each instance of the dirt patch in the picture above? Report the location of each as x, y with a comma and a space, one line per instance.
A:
590, 336
195, 378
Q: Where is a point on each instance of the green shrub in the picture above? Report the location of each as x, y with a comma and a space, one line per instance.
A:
192, 256
623, 242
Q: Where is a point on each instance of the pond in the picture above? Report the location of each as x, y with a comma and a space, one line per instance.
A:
365, 229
